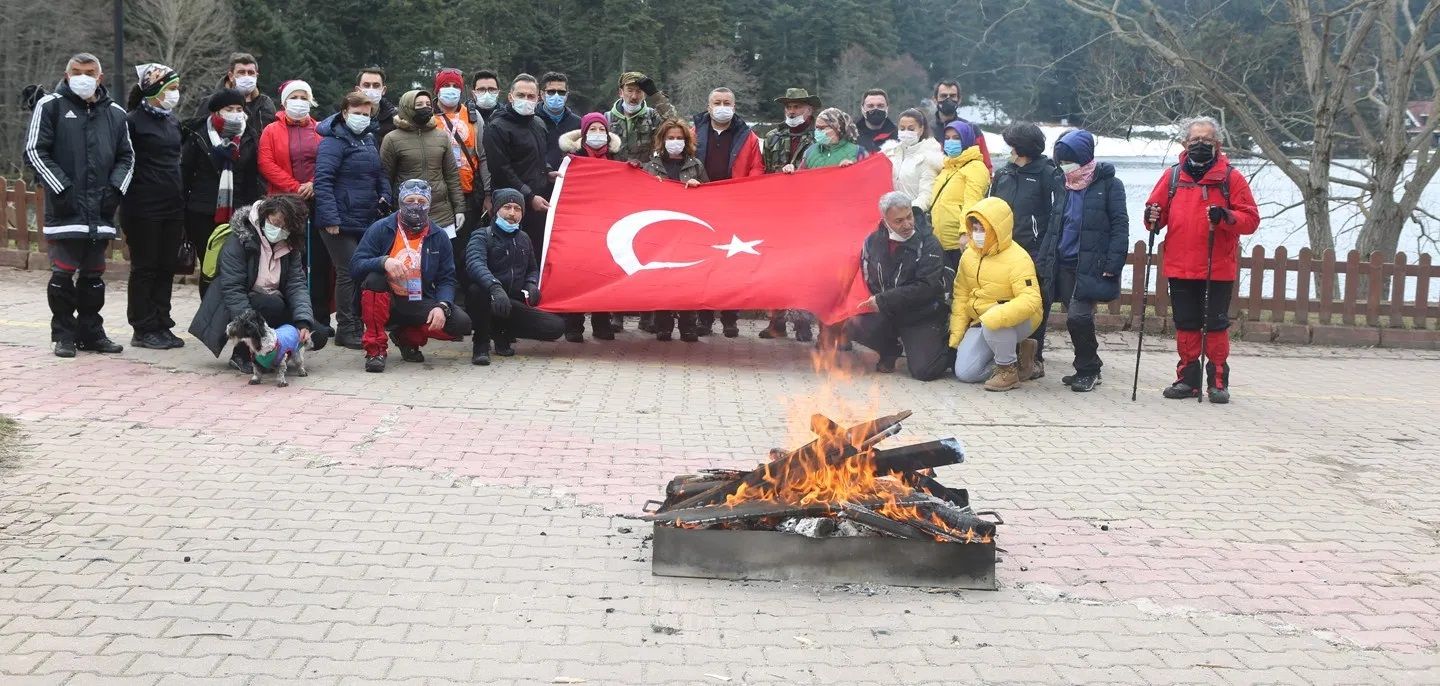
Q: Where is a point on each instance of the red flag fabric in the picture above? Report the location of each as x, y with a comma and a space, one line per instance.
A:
620, 240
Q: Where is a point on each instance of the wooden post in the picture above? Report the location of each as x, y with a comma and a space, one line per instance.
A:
1327, 287
1257, 283
1352, 289
1397, 293
23, 202
1422, 293
1305, 266
1376, 269
1162, 292
1277, 304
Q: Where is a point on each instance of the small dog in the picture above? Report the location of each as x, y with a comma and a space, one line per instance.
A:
270, 349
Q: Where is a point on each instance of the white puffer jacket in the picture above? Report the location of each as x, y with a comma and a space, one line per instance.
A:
914, 168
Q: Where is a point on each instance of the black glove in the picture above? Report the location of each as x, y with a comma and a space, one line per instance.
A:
647, 84
384, 206
1218, 214
532, 295
499, 302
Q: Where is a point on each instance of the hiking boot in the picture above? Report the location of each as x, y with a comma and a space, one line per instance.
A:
374, 363
1005, 378
100, 345
64, 348
1039, 372
1084, 383
732, 332
240, 361
503, 348
886, 365
175, 341
150, 340
1181, 391
1219, 396
480, 354
1026, 352
770, 332
348, 338
576, 336
409, 353
704, 329
1068, 379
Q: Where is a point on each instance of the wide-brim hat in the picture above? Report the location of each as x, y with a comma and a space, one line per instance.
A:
799, 95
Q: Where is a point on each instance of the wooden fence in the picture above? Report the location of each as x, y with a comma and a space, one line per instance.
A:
1278, 297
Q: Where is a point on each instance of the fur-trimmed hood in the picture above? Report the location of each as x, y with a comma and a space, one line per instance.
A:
570, 142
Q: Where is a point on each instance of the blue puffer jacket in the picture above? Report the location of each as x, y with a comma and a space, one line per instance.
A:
1103, 241
437, 260
349, 181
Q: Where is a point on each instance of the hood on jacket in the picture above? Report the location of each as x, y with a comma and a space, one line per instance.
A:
334, 125
999, 222
1078, 146
405, 111
571, 141
967, 133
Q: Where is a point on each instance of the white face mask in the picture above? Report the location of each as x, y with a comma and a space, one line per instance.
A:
597, 140
795, 121
674, 147
83, 86
486, 100
373, 94
1069, 167
522, 107
245, 84
722, 114
629, 108
233, 117
169, 100
449, 96
357, 123
296, 108
978, 238
897, 237
907, 137
274, 233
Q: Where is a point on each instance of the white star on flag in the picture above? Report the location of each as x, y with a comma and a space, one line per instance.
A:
737, 246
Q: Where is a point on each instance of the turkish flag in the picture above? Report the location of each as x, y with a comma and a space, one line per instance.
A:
620, 240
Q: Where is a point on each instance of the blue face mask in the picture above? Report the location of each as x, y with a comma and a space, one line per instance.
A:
506, 225
953, 148
822, 137
554, 103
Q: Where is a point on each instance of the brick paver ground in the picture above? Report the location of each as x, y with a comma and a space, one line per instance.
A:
163, 522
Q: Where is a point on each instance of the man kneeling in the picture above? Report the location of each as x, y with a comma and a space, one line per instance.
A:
407, 276
904, 269
504, 290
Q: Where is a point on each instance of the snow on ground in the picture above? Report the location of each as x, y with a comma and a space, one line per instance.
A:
1105, 146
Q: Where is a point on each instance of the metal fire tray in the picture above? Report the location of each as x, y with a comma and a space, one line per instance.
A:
780, 556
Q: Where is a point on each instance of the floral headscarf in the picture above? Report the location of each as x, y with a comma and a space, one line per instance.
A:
842, 123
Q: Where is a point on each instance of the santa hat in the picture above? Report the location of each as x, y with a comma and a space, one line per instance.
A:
289, 87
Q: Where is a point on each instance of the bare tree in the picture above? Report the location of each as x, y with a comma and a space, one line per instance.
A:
691, 85
857, 70
39, 37
1359, 62
193, 37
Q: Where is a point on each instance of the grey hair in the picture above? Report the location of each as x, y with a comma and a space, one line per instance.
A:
84, 58
894, 199
1192, 122
724, 90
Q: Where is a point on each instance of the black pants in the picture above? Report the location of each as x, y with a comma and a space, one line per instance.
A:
272, 308
77, 290
154, 246
533, 224
1187, 301
600, 322
322, 278
1038, 335
524, 321
665, 321
1080, 322
198, 227
927, 350
729, 319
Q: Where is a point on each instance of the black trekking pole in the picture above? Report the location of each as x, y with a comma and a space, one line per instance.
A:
1205, 308
1144, 308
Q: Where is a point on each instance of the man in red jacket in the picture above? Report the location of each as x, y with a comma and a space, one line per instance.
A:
1200, 192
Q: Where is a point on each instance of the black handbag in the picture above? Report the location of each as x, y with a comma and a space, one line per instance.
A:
185, 258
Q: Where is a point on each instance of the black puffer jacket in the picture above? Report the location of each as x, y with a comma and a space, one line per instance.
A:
1036, 195
235, 279
201, 171
156, 189
495, 257
909, 282
80, 151
515, 149
1104, 240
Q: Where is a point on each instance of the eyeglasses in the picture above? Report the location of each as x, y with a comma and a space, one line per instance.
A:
556, 91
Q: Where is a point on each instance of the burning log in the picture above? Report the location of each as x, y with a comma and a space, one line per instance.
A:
755, 509
913, 458
875, 520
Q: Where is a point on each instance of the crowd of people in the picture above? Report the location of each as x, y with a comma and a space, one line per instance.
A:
423, 218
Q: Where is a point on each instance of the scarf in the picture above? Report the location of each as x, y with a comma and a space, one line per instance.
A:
153, 110
841, 122
1080, 179
225, 153
267, 278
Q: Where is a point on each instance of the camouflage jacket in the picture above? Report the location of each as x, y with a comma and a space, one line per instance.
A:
637, 131
777, 147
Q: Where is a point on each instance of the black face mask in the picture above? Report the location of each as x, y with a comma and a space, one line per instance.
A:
875, 117
422, 116
1201, 152
948, 107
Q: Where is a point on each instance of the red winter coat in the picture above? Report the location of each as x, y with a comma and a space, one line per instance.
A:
274, 157
1186, 215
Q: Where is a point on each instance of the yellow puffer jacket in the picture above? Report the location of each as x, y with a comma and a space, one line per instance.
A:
962, 182
996, 282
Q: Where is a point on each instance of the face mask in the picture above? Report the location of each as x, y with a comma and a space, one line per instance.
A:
373, 94
948, 107
1201, 152
523, 108
722, 114
274, 233
422, 116
245, 84
449, 96
876, 117
629, 108
794, 121
297, 109
822, 137
506, 225
414, 216
978, 238
83, 86
169, 100
953, 148
1068, 167
486, 100
597, 140
897, 237
234, 123
357, 123
908, 137
554, 103
674, 147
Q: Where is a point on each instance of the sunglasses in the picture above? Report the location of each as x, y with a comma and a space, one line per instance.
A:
556, 91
